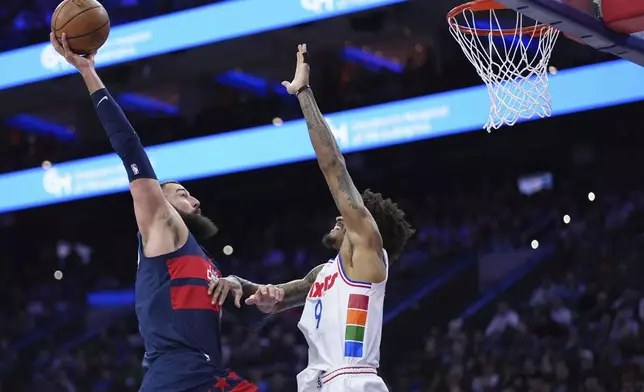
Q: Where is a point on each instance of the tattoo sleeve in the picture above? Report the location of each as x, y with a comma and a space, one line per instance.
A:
346, 196
295, 292
248, 288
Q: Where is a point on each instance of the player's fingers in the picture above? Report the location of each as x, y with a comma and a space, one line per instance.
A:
286, 84
263, 291
272, 292
303, 48
238, 295
211, 285
215, 295
68, 52
55, 43
224, 294
53, 40
280, 295
252, 300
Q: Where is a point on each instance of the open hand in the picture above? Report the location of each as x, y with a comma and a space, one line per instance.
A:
80, 62
266, 297
302, 71
220, 287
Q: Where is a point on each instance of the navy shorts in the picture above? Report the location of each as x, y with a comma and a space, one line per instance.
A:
231, 382
190, 372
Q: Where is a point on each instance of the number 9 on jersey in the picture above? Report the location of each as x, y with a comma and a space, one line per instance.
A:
318, 313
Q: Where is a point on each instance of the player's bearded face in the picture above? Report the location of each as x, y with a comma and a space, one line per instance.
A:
200, 226
333, 239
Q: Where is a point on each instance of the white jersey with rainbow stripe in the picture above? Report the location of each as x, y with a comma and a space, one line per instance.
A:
342, 323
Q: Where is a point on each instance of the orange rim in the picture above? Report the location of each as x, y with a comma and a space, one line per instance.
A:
490, 5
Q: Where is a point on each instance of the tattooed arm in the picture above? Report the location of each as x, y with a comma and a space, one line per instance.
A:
295, 291
360, 225
345, 194
293, 294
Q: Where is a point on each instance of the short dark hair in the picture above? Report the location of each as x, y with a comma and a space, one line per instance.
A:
164, 183
394, 228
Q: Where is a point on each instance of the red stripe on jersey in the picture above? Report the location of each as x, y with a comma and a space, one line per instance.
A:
191, 267
245, 386
358, 301
359, 373
192, 297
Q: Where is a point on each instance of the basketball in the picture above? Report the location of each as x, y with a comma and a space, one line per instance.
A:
85, 22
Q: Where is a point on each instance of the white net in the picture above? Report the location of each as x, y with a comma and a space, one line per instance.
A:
513, 62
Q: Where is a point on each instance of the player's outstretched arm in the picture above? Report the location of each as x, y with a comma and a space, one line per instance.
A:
278, 298
151, 209
360, 225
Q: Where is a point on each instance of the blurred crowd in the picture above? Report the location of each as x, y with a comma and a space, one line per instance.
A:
578, 330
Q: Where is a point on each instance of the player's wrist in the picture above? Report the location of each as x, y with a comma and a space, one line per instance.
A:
91, 79
267, 308
87, 71
302, 89
235, 280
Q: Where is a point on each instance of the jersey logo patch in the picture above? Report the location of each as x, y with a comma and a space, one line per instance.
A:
319, 288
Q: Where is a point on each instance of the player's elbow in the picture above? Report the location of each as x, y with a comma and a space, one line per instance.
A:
150, 206
362, 228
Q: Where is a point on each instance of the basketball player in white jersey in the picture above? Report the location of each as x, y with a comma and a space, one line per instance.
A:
343, 298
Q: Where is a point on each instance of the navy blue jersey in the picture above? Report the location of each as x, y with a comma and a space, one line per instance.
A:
180, 326
173, 306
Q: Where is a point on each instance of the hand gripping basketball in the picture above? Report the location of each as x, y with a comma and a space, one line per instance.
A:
302, 70
80, 62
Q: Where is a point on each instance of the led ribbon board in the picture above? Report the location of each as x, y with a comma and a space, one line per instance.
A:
179, 30
383, 125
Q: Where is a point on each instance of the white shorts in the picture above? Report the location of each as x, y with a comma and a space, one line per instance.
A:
345, 379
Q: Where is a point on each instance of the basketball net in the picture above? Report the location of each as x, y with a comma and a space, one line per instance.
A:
513, 62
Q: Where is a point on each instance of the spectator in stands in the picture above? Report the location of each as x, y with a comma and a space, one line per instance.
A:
624, 328
560, 314
503, 319
544, 294
591, 384
571, 290
487, 380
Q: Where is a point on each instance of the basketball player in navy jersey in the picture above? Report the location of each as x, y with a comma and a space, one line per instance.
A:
178, 320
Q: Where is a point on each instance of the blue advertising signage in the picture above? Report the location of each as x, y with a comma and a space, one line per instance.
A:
179, 30
356, 130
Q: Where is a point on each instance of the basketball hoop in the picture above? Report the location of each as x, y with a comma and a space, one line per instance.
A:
511, 54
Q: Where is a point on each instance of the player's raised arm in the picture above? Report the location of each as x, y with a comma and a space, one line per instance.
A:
361, 227
151, 208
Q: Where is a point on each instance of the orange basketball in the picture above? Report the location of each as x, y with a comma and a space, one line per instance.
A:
85, 22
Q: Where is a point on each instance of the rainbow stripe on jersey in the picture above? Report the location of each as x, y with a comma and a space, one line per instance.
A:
356, 323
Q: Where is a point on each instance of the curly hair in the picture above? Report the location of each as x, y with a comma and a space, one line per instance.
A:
394, 228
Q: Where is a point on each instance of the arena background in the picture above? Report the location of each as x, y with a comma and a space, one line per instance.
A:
524, 274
